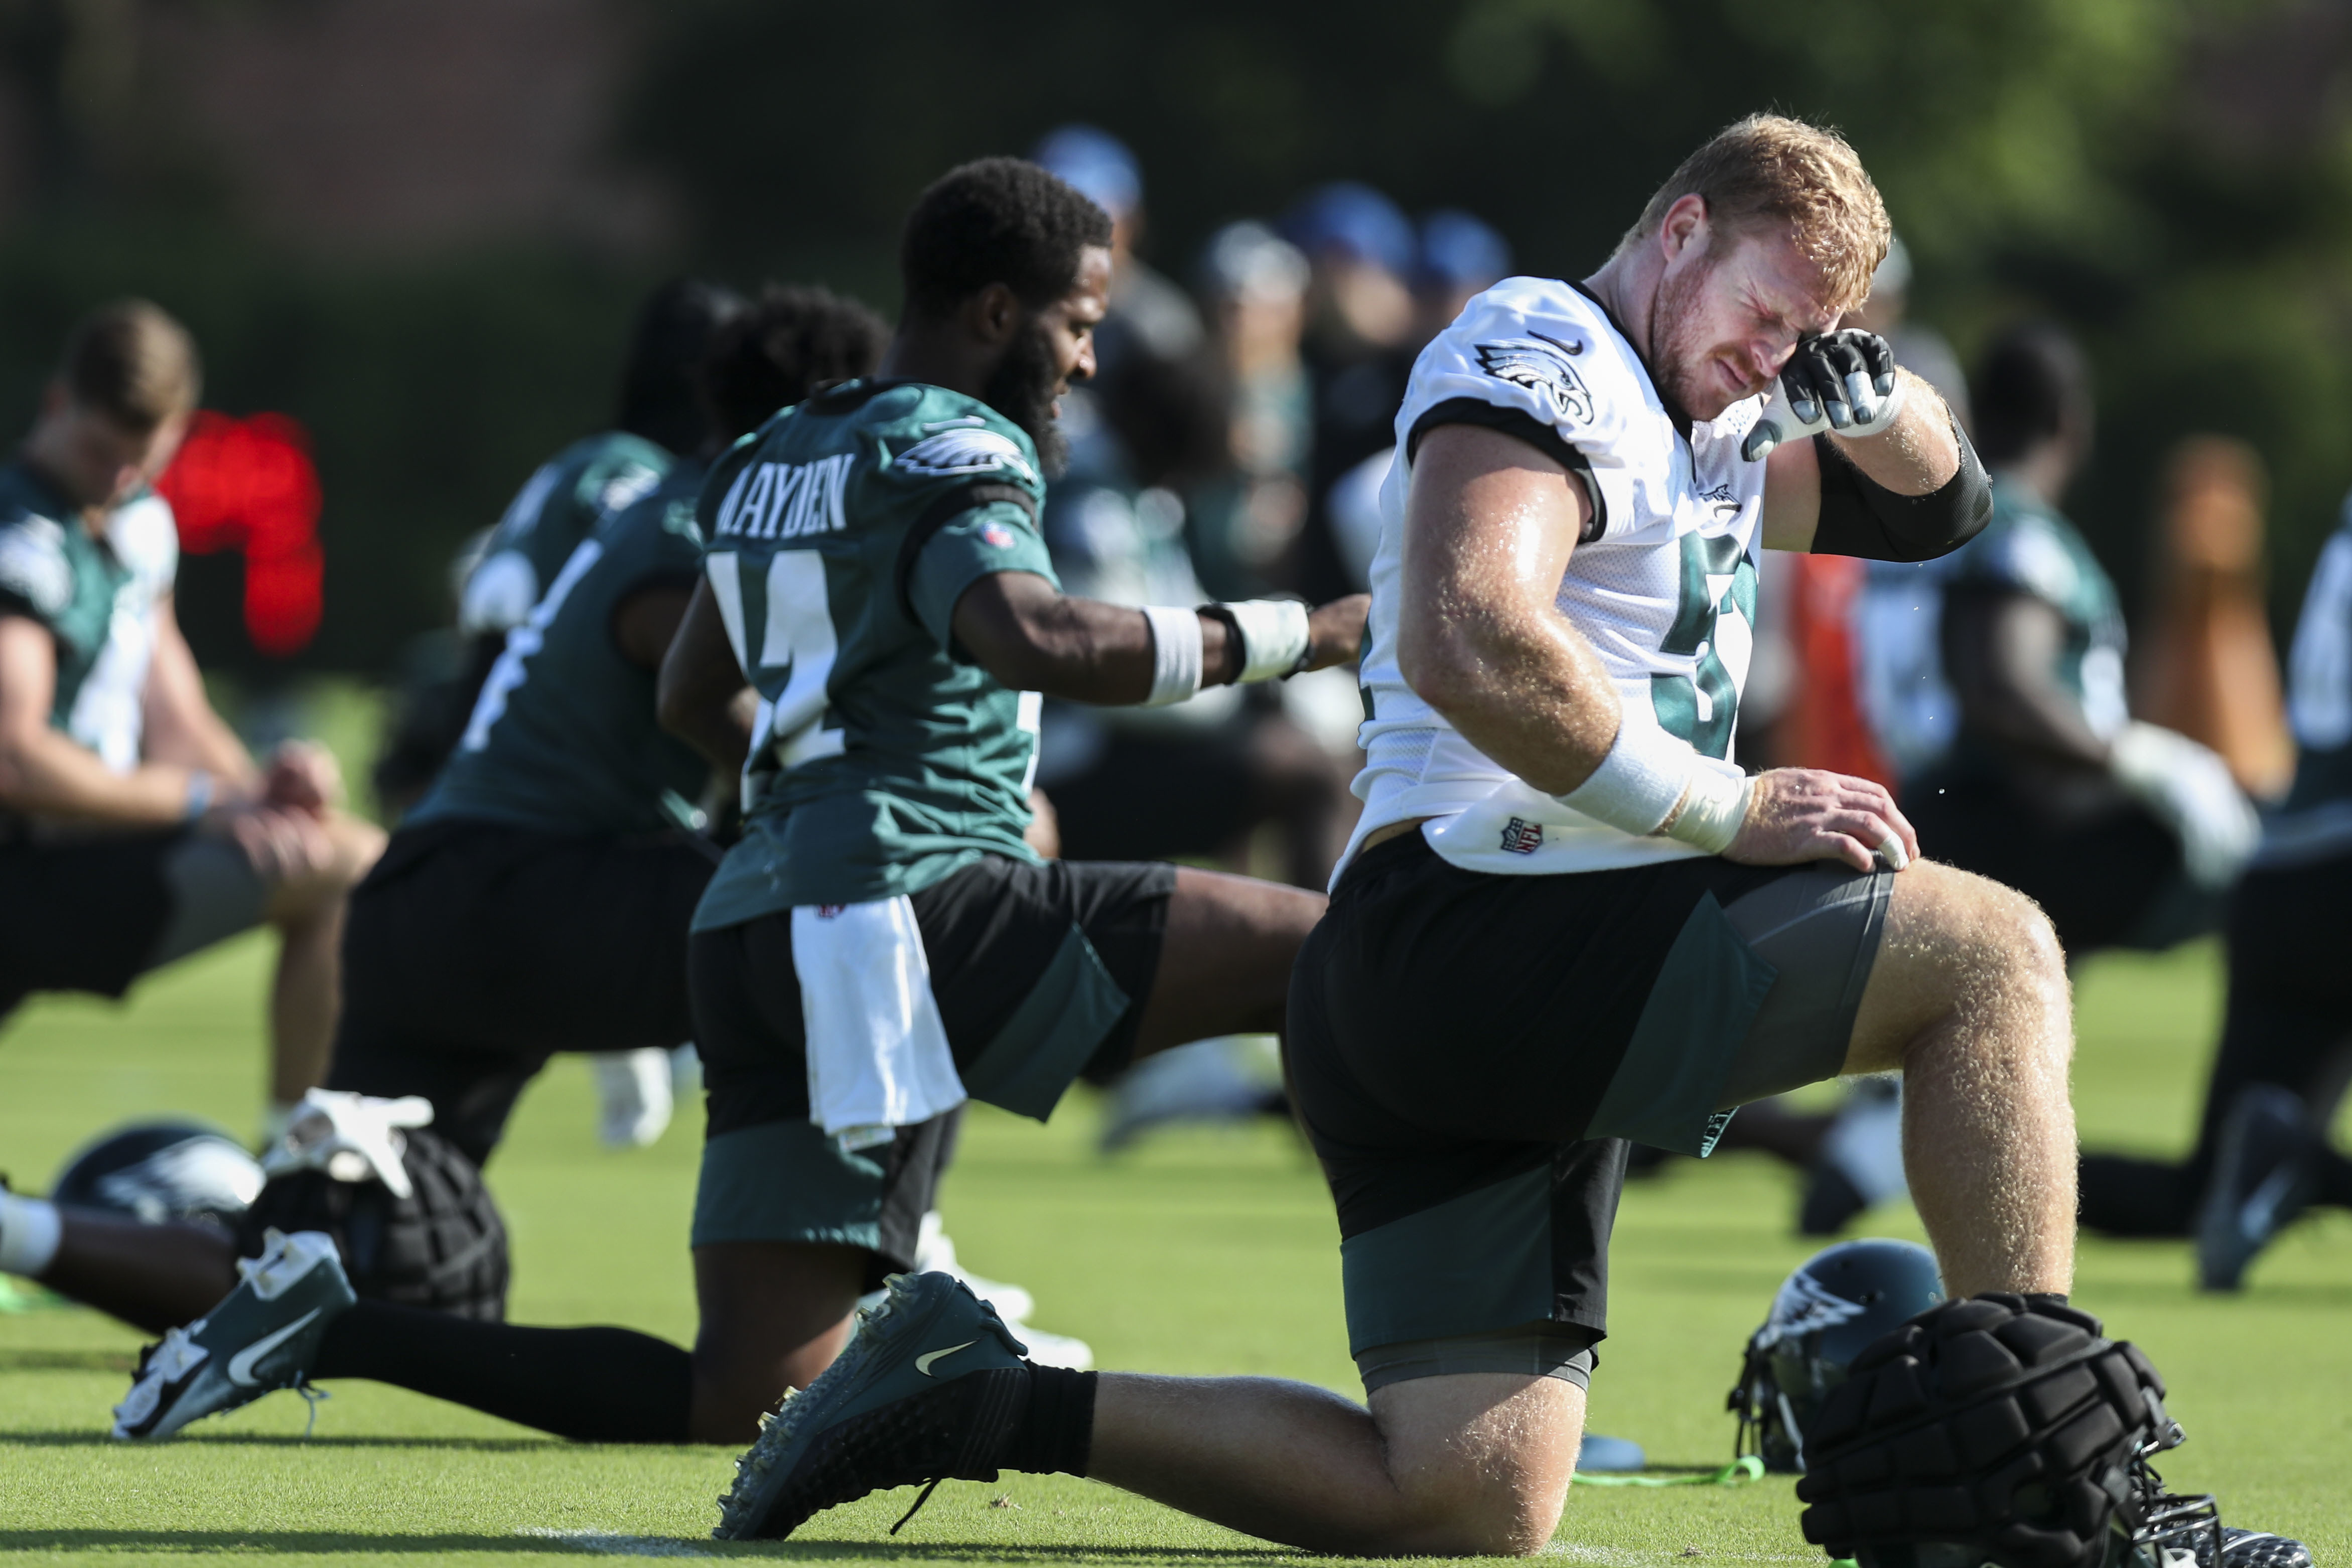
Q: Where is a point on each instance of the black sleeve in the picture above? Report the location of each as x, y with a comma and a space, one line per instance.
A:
1861, 517
1524, 427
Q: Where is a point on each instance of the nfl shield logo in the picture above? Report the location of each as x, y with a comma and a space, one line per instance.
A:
1521, 837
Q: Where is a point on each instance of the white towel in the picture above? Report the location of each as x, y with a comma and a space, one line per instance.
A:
877, 1053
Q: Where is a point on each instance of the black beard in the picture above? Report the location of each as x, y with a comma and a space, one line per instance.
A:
1022, 387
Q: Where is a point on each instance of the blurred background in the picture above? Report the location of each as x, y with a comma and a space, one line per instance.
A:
416, 228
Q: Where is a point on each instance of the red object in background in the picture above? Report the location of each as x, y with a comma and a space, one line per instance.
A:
248, 484
1823, 726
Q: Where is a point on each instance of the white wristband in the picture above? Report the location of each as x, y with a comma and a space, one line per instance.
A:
1275, 637
1639, 782
1175, 654
1712, 808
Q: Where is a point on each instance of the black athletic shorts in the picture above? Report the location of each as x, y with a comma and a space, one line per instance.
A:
94, 914
474, 950
2114, 881
1469, 1054
1040, 973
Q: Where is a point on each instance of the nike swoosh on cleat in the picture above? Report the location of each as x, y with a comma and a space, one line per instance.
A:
923, 1362
240, 1365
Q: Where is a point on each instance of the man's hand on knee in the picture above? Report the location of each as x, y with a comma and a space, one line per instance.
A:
1800, 814
303, 776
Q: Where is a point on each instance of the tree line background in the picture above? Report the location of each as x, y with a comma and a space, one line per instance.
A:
2170, 178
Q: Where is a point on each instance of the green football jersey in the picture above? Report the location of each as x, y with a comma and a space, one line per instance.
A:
563, 735
558, 507
840, 535
53, 571
2028, 547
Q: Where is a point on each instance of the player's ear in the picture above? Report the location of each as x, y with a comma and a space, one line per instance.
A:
1684, 224
993, 314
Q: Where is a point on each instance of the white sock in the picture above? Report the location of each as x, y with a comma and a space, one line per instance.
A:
30, 1230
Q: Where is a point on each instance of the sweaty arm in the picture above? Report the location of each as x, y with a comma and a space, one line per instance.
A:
2000, 647
44, 770
1913, 491
1490, 524
701, 695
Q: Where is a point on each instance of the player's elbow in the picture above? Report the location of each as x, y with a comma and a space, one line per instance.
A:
1024, 665
1440, 661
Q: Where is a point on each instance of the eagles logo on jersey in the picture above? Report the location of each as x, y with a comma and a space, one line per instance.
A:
972, 450
1540, 365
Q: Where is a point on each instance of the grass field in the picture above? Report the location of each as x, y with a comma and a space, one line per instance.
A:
1204, 1252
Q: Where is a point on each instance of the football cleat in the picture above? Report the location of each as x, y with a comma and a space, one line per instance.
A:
935, 1253
2258, 1549
634, 1096
2263, 1178
928, 1389
264, 1335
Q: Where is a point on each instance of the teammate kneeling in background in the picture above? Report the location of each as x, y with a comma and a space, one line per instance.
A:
2263, 1155
1568, 920
134, 827
2021, 758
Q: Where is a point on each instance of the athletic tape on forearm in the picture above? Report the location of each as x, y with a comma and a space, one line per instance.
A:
30, 1230
1712, 808
1275, 637
1638, 783
1175, 654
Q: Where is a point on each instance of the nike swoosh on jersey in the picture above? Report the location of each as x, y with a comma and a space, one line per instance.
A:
240, 1365
923, 1362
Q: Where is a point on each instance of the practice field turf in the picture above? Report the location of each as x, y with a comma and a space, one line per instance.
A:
1202, 1252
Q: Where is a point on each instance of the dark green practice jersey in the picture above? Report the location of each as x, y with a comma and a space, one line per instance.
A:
2030, 548
563, 736
840, 535
53, 571
558, 507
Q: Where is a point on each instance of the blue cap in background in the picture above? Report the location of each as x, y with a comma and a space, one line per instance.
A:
1356, 221
1097, 163
1458, 251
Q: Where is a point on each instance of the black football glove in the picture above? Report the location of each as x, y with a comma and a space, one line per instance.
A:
1843, 382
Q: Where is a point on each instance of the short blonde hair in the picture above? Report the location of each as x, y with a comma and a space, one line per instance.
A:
1771, 170
132, 362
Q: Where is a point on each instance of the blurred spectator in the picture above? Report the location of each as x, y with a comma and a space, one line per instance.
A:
1360, 341
1148, 313
1459, 259
1246, 520
2204, 663
1198, 778
1918, 348
2126, 834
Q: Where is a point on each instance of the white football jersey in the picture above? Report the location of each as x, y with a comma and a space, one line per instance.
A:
109, 711
1666, 593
